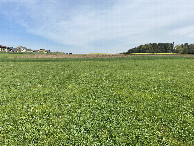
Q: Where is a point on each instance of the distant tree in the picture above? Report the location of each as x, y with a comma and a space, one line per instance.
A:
185, 48
163, 48
19, 48
178, 48
191, 49
153, 48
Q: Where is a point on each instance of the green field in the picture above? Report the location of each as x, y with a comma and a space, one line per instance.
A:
142, 100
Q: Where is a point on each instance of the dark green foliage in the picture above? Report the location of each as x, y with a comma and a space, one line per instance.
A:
120, 101
163, 48
185, 49
154, 48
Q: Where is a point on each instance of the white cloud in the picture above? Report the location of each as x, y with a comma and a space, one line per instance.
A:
125, 23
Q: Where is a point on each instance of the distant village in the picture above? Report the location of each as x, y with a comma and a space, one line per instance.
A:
21, 49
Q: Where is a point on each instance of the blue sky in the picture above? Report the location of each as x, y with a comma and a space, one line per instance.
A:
91, 26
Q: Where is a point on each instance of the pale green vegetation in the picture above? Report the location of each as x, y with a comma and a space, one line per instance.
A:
145, 100
98, 53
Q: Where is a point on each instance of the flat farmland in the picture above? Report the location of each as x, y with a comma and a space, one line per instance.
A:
136, 100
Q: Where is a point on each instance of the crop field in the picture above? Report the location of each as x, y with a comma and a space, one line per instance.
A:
137, 100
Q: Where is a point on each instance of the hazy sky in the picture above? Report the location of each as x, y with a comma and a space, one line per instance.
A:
88, 26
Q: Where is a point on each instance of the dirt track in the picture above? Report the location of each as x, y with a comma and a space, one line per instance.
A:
87, 55
72, 56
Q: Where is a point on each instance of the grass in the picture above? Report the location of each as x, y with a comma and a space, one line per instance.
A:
98, 53
142, 100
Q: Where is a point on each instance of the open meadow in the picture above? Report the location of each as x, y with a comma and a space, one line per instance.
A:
143, 100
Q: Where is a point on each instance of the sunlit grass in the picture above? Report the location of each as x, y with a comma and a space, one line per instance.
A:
138, 100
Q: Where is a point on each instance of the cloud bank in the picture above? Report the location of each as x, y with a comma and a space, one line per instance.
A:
97, 26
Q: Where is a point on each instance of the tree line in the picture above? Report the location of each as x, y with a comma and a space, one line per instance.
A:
163, 48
